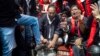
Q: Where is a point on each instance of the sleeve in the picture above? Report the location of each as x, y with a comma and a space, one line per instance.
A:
91, 25
92, 33
69, 25
59, 32
41, 24
88, 22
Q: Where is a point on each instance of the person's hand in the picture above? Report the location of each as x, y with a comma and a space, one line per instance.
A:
44, 41
78, 41
95, 10
51, 44
21, 9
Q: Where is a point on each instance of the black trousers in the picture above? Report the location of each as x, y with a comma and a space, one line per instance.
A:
77, 51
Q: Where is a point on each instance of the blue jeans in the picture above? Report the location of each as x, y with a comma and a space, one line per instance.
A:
7, 40
33, 22
7, 34
28, 35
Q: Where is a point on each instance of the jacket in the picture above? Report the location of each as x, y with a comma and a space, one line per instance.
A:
8, 12
45, 26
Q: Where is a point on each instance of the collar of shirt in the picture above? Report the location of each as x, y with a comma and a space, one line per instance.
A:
28, 1
50, 22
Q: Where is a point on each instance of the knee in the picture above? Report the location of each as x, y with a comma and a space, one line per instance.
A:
35, 19
94, 49
60, 41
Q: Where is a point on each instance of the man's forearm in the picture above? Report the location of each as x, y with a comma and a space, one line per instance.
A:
55, 38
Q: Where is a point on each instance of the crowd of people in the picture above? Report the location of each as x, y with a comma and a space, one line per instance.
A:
49, 28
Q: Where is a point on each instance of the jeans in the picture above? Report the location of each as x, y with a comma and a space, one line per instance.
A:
33, 22
7, 33
7, 40
28, 34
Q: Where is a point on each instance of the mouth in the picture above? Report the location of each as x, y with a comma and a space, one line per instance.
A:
74, 13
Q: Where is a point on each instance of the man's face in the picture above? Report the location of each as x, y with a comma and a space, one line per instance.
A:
75, 11
51, 12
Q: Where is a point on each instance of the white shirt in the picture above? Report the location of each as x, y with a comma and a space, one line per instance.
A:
50, 22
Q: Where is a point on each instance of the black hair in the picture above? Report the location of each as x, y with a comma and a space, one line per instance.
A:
52, 5
74, 6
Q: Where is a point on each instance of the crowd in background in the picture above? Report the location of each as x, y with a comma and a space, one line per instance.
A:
54, 28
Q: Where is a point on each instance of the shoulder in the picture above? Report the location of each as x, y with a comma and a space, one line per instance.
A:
43, 17
57, 17
69, 19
